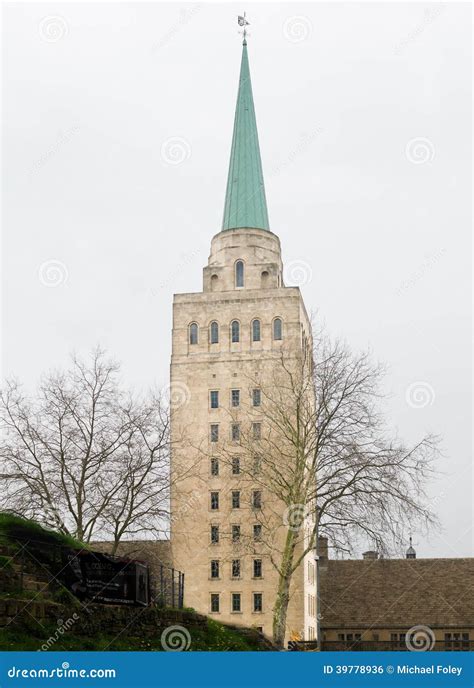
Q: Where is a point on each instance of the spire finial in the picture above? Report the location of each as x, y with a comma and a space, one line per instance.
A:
242, 20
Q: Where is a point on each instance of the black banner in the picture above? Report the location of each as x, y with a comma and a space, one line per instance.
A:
106, 579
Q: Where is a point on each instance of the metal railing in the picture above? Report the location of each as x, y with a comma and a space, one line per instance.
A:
167, 587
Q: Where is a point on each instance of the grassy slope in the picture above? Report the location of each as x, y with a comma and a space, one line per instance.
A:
31, 636
14, 529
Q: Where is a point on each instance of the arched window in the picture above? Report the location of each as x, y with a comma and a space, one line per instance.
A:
214, 333
193, 333
235, 331
277, 329
255, 330
239, 273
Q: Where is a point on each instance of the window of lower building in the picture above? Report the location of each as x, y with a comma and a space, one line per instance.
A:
235, 398
214, 501
256, 431
235, 533
236, 602
235, 568
215, 602
214, 399
257, 568
235, 465
215, 568
214, 466
235, 499
257, 602
257, 532
256, 397
214, 535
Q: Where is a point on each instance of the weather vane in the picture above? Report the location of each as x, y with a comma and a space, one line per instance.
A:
243, 22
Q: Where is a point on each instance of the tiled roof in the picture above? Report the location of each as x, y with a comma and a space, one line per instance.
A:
397, 592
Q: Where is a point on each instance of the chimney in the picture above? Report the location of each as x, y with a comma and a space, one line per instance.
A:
322, 548
370, 554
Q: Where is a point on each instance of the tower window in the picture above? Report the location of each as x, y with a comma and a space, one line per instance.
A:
214, 399
256, 397
257, 568
256, 330
214, 333
257, 601
235, 465
214, 466
257, 532
235, 568
235, 331
235, 533
256, 431
193, 333
235, 499
235, 432
215, 568
215, 602
214, 432
239, 273
214, 535
235, 397
257, 499
214, 501
236, 602
277, 329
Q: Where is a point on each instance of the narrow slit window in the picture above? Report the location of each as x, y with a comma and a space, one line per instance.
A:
239, 273
193, 333
235, 331
277, 329
256, 331
214, 333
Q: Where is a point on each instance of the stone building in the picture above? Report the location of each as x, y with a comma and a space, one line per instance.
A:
223, 337
383, 604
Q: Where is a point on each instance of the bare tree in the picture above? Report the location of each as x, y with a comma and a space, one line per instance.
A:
85, 457
327, 464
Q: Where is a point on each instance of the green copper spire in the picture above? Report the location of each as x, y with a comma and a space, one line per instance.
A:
245, 203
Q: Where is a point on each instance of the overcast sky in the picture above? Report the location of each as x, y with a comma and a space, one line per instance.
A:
117, 130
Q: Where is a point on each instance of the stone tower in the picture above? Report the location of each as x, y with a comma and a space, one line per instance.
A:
222, 337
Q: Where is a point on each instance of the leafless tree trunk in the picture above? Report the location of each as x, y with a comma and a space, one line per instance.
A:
83, 456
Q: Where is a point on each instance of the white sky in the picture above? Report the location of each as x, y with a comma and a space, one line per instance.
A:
92, 93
